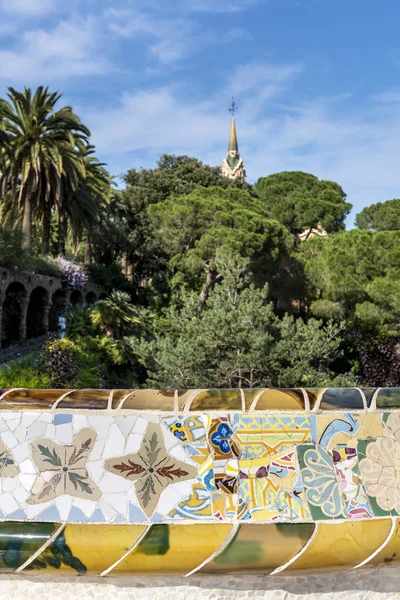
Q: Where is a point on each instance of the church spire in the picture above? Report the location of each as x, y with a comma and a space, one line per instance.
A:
232, 166
233, 144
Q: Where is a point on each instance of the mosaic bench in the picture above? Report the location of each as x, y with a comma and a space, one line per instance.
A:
199, 481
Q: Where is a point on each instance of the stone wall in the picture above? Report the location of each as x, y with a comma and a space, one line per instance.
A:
30, 304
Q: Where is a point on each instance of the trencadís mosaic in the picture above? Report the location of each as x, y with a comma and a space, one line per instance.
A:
209, 480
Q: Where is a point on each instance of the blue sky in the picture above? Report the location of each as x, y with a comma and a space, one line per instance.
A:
317, 82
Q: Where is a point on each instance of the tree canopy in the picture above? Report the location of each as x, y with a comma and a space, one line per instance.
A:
299, 201
192, 228
382, 216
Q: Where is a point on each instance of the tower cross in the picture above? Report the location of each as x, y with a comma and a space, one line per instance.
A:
233, 107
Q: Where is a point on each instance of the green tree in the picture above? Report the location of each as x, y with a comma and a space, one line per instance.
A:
192, 228
235, 339
42, 151
355, 274
382, 216
300, 201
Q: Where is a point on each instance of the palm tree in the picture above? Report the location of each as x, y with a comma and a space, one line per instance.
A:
42, 144
84, 204
115, 316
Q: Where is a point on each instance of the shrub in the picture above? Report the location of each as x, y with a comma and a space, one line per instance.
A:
58, 362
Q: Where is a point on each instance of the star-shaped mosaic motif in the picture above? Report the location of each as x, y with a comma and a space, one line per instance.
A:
8, 468
152, 468
67, 466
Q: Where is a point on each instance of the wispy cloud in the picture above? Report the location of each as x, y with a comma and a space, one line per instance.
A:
65, 51
221, 6
27, 8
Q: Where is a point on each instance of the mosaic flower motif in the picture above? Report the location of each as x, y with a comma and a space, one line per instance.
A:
319, 478
393, 425
66, 466
222, 439
8, 468
152, 469
380, 471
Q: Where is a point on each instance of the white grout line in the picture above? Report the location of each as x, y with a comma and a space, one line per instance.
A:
42, 548
297, 556
381, 547
5, 394
243, 397
110, 399
131, 549
61, 398
217, 552
256, 399
372, 408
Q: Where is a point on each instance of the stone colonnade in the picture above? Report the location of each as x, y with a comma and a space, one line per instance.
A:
30, 304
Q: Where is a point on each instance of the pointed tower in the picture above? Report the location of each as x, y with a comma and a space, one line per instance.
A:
232, 166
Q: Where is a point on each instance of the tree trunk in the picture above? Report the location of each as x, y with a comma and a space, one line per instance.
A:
27, 224
62, 233
46, 231
125, 264
207, 286
88, 252
129, 271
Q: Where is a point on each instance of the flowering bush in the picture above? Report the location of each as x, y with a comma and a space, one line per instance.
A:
58, 361
72, 275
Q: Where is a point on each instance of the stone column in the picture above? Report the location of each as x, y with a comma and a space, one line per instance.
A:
24, 302
1, 315
46, 315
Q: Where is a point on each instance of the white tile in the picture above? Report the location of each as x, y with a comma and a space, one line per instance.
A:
27, 480
20, 495
8, 415
9, 439
64, 504
21, 433
79, 422
115, 443
170, 440
22, 452
50, 431
140, 425
152, 418
168, 500
8, 504
125, 424
9, 484
97, 450
4, 425
64, 433
36, 430
181, 454
32, 510
12, 423
101, 424
46, 418
111, 483
27, 466
107, 510
118, 502
133, 443
28, 418
95, 468
86, 506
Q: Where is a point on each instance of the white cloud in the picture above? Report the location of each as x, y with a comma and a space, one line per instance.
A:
67, 50
219, 6
27, 8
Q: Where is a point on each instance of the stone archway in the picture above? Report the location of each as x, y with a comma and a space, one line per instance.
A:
13, 314
38, 313
58, 308
76, 298
90, 298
